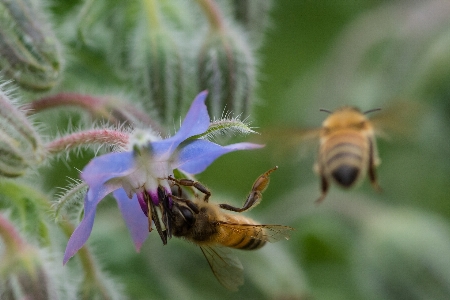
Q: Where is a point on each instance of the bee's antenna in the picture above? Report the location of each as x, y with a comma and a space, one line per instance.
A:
325, 110
371, 110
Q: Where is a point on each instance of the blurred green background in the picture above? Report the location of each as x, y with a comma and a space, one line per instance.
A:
357, 244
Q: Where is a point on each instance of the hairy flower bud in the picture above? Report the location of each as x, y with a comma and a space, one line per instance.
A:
158, 59
28, 48
254, 16
226, 69
20, 145
22, 271
25, 279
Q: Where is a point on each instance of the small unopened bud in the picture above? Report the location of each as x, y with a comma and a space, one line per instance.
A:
226, 66
20, 145
403, 255
28, 48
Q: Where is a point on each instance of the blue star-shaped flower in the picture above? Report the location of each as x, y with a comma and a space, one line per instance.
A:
141, 174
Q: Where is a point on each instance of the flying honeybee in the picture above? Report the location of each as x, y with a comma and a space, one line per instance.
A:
347, 150
347, 146
213, 229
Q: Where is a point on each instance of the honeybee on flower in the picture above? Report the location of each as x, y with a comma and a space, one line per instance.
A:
138, 177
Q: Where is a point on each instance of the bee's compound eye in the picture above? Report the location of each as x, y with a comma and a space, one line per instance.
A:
187, 215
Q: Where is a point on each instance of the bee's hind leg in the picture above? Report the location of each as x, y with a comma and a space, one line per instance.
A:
255, 195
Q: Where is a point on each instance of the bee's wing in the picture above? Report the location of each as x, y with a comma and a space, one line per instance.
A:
274, 233
290, 140
292, 135
269, 233
401, 118
225, 265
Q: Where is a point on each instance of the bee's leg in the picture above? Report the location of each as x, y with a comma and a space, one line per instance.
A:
165, 208
255, 195
324, 186
175, 183
195, 184
371, 170
373, 177
188, 202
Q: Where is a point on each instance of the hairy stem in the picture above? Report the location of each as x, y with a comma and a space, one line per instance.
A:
87, 261
88, 137
96, 106
87, 102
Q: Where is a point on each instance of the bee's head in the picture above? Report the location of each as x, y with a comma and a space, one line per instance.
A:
183, 217
346, 117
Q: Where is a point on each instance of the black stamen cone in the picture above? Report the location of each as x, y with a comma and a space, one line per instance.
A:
346, 175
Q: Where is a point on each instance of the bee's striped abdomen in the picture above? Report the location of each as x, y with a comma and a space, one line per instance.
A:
243, 236
344, 156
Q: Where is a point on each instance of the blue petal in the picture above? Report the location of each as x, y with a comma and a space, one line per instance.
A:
84, 229
196, 156
135, 219
108, 166
196, 122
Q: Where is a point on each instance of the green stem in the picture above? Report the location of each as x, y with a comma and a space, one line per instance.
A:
151, 12
87, 261
212, 12
85, 256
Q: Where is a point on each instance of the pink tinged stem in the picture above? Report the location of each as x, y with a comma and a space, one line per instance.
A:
11, 237
88, 137
90, 103
95, 105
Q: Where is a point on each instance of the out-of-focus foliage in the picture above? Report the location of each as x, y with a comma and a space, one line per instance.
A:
29, 50
357, 244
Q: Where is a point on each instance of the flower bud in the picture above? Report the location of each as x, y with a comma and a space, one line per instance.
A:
20, 145
226, 69
28, 48
254, 16
12, 161
403, 255
25, 279
161, 71
22, 271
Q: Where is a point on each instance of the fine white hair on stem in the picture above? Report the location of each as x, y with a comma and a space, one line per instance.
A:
69, 197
